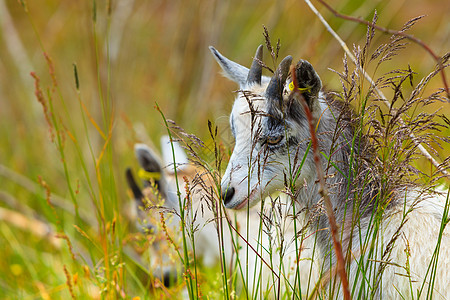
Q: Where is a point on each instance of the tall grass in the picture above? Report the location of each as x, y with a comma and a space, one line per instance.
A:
67, 132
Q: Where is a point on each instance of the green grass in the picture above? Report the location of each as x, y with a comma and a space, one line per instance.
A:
99, 69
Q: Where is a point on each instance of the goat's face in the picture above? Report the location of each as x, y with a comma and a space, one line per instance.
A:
149, 203
269, 126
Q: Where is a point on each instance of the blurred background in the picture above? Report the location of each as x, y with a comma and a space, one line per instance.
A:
102, 66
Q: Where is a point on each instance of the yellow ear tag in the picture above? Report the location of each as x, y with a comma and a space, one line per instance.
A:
149, 175
291, 87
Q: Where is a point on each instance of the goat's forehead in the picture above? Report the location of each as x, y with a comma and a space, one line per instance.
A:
249, 100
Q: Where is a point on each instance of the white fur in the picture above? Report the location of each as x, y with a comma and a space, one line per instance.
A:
247, 174
418, 237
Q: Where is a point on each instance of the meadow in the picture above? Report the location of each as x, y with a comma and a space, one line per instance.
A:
82, 81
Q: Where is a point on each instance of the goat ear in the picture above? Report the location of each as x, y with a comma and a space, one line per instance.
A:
147, 159
140, 203
308, 82
137, 193
171, 150
232, 70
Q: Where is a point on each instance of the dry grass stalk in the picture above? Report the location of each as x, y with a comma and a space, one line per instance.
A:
438, 60
323, 189
440, 63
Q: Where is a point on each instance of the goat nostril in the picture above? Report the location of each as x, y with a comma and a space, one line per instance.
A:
227, 195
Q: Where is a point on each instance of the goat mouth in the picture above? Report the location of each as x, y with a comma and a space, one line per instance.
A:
242, 204
246, 200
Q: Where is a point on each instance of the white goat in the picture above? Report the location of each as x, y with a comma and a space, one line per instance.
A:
160, 196
387, 257
264, 237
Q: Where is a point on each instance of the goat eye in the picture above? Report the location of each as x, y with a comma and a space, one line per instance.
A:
274, 140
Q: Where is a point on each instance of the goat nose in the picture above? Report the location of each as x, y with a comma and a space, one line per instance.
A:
227, 195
